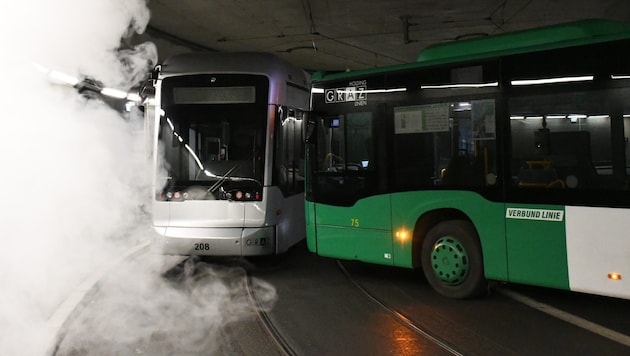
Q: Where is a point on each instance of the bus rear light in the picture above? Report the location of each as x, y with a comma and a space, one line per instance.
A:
614, 276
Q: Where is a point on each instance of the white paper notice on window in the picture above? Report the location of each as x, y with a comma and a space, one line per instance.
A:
421, 118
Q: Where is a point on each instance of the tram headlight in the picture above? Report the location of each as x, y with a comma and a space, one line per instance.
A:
244, 195
172, 196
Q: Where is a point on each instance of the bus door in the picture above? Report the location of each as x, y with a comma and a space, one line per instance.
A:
352, 222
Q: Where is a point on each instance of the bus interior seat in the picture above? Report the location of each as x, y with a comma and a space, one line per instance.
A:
568, 154
539, 173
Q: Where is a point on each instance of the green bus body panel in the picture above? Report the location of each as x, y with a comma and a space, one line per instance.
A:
537, 249
333, 235
558, 36
361, 232
355, 244
487, 217
519, 250
311, 236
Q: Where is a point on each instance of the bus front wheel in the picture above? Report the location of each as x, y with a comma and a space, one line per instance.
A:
452, 261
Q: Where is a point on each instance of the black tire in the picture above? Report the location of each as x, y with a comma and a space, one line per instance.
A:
452, 260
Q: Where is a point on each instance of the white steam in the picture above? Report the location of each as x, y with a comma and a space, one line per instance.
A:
74, 172
180, 314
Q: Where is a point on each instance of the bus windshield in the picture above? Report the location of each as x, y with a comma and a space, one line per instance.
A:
213, 136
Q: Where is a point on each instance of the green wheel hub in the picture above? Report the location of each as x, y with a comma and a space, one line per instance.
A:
450, 261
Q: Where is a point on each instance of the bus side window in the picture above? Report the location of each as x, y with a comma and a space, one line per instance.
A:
473, 144
464, 170
562, 141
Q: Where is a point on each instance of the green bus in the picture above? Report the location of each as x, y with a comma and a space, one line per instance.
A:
502, 158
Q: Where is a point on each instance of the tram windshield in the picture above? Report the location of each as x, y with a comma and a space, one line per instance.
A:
212, 131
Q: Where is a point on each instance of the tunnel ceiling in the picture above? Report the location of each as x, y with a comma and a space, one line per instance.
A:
351, 34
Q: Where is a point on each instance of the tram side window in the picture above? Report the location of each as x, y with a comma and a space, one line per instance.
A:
289, 151
448, 144
626, 137
625, 99
562, 140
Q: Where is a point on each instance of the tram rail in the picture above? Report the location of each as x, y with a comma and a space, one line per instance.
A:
400, 317
276, 335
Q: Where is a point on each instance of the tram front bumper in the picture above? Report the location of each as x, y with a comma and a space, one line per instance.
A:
218, 241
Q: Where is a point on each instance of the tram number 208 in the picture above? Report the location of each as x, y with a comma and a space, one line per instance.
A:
202, 246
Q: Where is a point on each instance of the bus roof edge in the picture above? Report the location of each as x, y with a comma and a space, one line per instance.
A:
555, 36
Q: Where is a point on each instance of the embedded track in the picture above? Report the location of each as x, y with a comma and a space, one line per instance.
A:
308, 305
277, 337
399, 316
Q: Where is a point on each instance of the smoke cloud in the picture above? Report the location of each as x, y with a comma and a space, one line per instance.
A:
182, 313
75, 172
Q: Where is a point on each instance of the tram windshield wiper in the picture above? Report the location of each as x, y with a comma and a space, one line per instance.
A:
227, 176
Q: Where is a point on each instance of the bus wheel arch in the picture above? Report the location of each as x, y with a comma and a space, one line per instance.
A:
425, 223
450, 254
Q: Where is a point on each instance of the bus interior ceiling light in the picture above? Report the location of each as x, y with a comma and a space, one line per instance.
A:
461, 85
584, 78
375, 91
